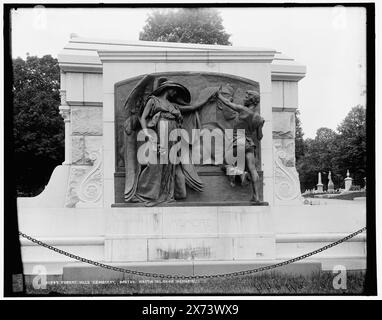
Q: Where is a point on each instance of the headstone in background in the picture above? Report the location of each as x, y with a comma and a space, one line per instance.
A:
348, 181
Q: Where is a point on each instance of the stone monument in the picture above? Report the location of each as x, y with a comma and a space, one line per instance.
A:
207, 123
86, 207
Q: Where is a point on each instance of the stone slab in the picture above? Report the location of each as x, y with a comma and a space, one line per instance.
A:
82, 272
337, 216
290, 94
76, 176
254, 248
297, 269
89, 273
283, 125
91, 144
190, 249
200, 233
277, 94
345, 249
56, 269
86, 120
134, 223
126, 250
93, 87
244, 221
78, 147
74, 86
187, 221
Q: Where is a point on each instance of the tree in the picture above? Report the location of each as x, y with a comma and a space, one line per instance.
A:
318, 157
38, 127
196, 25
335, 152
351, 151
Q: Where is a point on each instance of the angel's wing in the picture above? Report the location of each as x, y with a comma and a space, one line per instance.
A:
137, 97
134, 106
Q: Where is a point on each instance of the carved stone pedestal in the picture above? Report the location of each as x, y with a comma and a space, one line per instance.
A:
189, 233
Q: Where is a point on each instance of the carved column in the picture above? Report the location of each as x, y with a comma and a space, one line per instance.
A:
65, 113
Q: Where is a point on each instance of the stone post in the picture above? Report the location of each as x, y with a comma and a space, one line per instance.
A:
348, 181
330, 183
319, 184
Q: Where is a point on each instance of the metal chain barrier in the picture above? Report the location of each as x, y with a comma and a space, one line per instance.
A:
168, 276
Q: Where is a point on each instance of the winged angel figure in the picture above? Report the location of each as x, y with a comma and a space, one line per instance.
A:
147, 109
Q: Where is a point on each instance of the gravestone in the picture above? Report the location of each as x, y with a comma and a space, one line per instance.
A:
348, 181
319, 184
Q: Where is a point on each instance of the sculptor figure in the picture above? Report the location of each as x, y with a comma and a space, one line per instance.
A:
165, 182
249, 119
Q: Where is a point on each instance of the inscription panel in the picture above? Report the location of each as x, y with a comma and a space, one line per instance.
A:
199, 221
190, 249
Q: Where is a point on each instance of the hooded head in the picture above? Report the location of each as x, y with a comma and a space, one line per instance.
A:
178, 92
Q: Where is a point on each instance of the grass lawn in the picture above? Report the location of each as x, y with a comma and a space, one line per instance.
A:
266, 283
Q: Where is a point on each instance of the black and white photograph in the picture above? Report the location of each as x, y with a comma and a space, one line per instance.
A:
189, 150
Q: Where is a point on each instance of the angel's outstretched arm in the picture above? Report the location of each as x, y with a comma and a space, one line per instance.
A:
190, 108
233, 106
196, 106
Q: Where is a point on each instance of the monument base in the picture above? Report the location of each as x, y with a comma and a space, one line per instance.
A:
85, 272
183, 203
150, 234
183, 235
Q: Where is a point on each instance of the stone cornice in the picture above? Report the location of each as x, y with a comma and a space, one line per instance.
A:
128, 45
284, 68
85, 103
81, 67
88, 55
79, 61
186, 56
287, 76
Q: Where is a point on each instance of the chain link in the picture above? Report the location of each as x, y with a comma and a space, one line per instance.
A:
184, 277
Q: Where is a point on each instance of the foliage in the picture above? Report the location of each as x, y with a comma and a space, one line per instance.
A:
196, 25
336, 152
38, 128
351, 148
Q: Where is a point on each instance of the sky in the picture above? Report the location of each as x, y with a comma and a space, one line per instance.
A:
331, 42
